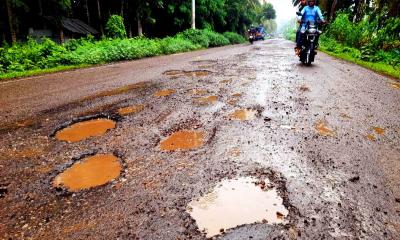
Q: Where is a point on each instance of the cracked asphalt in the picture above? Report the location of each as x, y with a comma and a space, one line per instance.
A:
326, 136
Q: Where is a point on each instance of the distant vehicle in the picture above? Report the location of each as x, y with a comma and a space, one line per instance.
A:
256, 33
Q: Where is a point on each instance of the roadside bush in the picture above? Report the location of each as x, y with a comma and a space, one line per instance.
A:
215, 39
171, 45
196, 36
115, 27
234, 38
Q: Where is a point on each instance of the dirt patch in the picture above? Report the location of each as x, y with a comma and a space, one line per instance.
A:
116, 91
204, 62
181, 73
183, 140
164, 93
206, 100
322, 129
130, 110
304, 88
243, 114
90, 172
85, 129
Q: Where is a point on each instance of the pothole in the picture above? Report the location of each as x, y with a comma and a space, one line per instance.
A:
183, 140
85, 129
130, 110
164, 93
181, 73
206, 100
304, 88
3, 190
323, 129
395, 85
379, 130
89, 172
236, 202
243, 114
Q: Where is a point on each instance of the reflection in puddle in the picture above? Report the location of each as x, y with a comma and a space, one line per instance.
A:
164, 93
131, 109
90, 172
82, 130
243, 114
183, 140
206, 100
323, 129
236, 202
195, 73
379, 130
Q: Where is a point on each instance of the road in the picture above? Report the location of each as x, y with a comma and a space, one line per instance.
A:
324, 139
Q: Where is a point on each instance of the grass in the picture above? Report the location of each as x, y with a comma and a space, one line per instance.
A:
378, 67
37, 72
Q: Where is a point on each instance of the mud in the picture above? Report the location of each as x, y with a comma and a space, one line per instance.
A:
237, 202
206, 100
164, 93
181, 73
243, 115
379, 130
130, 110
89, 172
86, 129
323, 129
183, 140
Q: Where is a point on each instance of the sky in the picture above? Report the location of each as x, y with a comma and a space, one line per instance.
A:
284, 11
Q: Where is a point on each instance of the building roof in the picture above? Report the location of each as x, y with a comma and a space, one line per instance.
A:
77, 26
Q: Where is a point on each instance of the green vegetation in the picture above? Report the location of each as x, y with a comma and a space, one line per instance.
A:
115, 27
23, 59
363, 32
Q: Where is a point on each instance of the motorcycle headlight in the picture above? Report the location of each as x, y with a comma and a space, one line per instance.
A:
312, 30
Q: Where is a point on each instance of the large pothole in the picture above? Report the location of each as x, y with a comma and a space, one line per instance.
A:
85, 129
237, 202
89, 172
183, 140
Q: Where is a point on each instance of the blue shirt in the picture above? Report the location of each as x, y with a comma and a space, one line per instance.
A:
311, 14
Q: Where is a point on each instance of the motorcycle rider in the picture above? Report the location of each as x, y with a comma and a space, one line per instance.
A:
302, 4
309, 13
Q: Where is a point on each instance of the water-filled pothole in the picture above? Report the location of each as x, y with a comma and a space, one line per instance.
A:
323, 129
194, 73
243, 114
183, 140
206, 100
395, 85
89, 172
236, 202
164, 93
198, 92
85, 129
379, 130
130, 110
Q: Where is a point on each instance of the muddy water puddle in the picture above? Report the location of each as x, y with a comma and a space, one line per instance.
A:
379, 130
395, 85
323, 129
181, 73
183, 140
164, 93
243, 115
206, 100
130, 110
236, 202
90, 172
86, 129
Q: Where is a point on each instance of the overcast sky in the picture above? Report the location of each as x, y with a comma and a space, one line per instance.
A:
284, 11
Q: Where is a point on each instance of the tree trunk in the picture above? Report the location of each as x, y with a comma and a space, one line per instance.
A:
333, 9
394, 9
61, 36
100, 20
122, 8
87, 11
11, 21
139, 23
40, 7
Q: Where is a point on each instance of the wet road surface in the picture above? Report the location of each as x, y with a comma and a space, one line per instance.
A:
320, 142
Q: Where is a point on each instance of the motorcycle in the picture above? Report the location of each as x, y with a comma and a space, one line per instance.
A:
310, 42
252, 35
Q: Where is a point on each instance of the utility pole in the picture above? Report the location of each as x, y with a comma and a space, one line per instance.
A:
193, 14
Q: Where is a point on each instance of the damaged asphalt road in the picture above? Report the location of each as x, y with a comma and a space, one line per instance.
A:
323, 141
